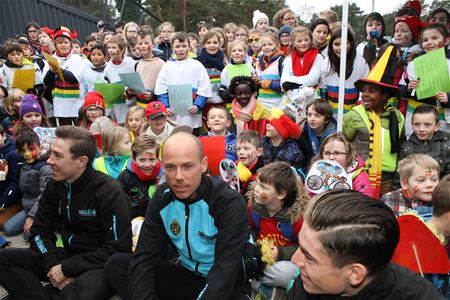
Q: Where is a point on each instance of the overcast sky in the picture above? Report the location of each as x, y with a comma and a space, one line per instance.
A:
381, 6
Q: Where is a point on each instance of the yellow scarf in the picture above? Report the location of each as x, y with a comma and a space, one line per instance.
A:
376, 153
243, 172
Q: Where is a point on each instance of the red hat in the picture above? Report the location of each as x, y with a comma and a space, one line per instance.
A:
94, 99
414, 5
65, 32
285, 126
154, 110
48, 31
413, 23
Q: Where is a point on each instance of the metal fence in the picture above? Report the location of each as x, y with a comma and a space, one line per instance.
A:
15, 14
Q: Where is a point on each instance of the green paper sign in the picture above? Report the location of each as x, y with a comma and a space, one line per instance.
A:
432, 72
112, 93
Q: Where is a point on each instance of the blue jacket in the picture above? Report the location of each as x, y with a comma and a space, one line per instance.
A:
9, 188
209, 232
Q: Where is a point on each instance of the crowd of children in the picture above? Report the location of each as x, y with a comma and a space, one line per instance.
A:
243, 85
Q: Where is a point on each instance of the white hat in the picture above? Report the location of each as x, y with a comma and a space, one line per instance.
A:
257, 15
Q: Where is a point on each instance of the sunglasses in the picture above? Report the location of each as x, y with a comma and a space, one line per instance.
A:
253, 40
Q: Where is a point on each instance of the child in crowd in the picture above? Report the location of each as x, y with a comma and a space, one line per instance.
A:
118, 64
140, 178
432, 37
10, 194
406, 35
237, 52
223, 43
148, 68
130, 30
248, 112
356, 68
277, 203
218, 121
9, 109
213, 59
95, 73
427, 138
441, 208
133, 49
249, 150
93, 108
76, 47
337, 148
40, 65
194, 42
279, 143
89, 43
302, 67
319, 124
284, 36
184, 71
260, 21
13, 52
30, 115
254, 44
374, 126
230, 31
46, 40
419, 175
439, 15
116, 152
202, 29
158, 126
66, 91
164, 43
320, 31
134, 121
269, 68
34, 175
375, 32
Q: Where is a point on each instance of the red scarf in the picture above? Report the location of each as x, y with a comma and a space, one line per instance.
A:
303, 61
144, 177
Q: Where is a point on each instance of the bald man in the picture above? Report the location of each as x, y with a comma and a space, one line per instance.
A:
204, 219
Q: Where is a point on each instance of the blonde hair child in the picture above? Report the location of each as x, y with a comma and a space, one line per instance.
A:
134, 121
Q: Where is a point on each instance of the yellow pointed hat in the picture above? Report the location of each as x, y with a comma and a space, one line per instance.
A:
383, 72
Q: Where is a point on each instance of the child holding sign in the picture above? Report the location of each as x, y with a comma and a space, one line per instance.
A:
173, 80
432, 37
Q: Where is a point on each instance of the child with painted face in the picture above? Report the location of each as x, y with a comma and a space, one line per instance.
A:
336, 147
184, 70
432, 37
319, 124
280, 143
67, 97
419, 175
93, 108
30, 115
254, 44
275, 210
248, 112
213, 59
269, 68
285, 38
157, 125
46, 40
95, 73
406, 35
218, 121
249, 152
230, 31
237, 52
320, 31
140, 178
302, 67
116, 152
34, 175
260, 21
134, 121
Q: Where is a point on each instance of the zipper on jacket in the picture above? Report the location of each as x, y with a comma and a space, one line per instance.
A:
186, 225
69, 197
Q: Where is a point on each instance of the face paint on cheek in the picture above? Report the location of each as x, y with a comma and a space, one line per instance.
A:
35, 153
415, 189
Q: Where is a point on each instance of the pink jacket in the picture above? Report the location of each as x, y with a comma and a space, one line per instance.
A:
361, 182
